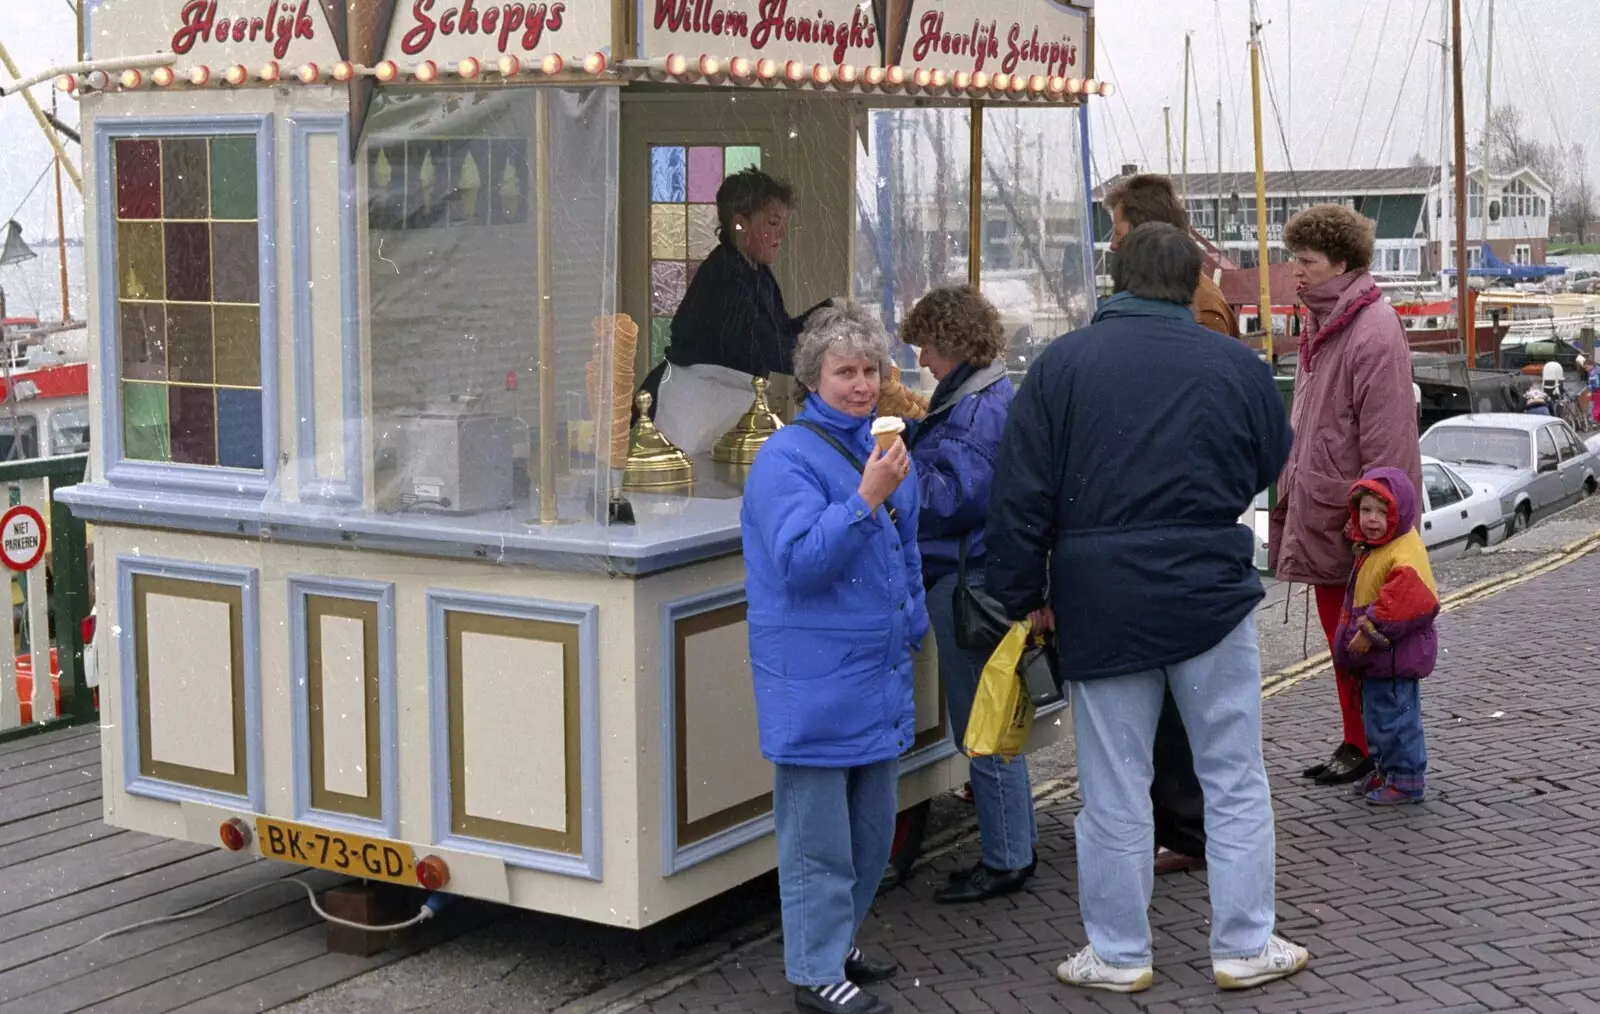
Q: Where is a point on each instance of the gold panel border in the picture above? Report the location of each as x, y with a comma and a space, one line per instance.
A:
365, 611
690, 832
458, 622
231, 595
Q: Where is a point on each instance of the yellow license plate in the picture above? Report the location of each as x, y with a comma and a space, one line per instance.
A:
337, 851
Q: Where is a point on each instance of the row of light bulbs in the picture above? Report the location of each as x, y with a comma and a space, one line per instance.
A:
767, 71
674, 66
310, 73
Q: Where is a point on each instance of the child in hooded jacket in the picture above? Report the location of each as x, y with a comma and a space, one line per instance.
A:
1386, 631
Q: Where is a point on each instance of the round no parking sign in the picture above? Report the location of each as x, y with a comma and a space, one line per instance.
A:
22, 538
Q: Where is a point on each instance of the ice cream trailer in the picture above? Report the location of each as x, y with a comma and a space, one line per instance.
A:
371, 287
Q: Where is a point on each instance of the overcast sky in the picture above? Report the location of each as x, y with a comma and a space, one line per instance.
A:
1357, 82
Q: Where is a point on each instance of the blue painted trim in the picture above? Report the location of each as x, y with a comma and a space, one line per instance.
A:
198, 478
577, 548
348, 488
587, 619
673, 858
388, 825
135, 783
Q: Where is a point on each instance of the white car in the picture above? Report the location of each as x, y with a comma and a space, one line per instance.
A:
1456, 516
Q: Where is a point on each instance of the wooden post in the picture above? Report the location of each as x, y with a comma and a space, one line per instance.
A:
975, 196
548, 514
61, 234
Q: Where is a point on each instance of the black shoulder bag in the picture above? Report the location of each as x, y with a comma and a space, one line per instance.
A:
980, 621
980, 626
844, 452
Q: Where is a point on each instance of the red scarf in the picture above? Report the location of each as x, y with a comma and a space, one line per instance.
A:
1313, 338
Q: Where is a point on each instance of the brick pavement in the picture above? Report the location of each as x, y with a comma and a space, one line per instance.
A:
1482, 899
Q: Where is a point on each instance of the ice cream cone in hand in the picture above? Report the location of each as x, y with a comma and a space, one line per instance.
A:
886, 429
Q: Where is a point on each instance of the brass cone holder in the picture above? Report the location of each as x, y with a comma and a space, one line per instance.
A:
653, 461
739, 445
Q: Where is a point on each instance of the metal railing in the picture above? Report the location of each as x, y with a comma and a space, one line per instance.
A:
42, 679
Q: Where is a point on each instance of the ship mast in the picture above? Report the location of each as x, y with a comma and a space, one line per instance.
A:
1464, 315
1265, 276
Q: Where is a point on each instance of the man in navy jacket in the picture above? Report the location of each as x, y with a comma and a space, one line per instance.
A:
1132, 449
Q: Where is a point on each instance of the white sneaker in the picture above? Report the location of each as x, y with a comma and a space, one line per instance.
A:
1278, 960
1086, 969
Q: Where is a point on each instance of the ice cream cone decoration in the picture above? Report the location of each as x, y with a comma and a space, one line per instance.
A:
894, 18
616, 339
471, 186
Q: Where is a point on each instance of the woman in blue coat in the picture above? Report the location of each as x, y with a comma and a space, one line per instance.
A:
834, 587
963, 345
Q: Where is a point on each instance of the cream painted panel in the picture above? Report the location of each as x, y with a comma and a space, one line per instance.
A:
925, 685
323, 156
344, 709
725, 766
513, 731
191, 682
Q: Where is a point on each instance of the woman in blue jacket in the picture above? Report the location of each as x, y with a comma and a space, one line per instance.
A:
963, 344
833, 579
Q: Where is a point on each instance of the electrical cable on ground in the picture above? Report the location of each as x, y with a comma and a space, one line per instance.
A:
423, 915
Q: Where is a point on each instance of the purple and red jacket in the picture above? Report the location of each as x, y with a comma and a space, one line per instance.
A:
1391, 594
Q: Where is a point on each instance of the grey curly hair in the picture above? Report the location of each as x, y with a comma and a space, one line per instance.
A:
845, 328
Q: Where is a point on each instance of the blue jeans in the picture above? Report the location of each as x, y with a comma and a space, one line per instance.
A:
1001, 791
1218, 693
835, 829
1391, 709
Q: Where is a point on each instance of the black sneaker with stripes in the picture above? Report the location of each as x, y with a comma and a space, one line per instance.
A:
839, 998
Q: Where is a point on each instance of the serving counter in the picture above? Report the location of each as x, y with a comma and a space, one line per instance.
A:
368, 286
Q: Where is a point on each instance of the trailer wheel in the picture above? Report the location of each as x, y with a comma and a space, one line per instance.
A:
910, 826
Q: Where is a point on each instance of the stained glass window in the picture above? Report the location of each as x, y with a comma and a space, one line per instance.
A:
188, 284
683, 222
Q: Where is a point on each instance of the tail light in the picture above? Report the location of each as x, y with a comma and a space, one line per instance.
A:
432, 873
235, 835
86, 628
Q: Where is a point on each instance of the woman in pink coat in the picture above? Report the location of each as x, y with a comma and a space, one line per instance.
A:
1354, 411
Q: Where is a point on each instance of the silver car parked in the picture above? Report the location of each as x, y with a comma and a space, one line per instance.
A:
1535, 464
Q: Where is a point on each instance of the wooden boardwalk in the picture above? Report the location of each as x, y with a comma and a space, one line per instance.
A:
66, 878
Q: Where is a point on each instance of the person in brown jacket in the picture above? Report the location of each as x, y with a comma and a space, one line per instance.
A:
1175, 793
1151, 198
1354, 410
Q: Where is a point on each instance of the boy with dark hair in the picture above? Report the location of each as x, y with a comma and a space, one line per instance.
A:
731, 325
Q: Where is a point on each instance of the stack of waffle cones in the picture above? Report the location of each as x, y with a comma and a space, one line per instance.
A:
897, 399
616, 338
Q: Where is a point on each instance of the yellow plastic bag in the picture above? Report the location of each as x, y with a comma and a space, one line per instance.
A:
1002, 714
